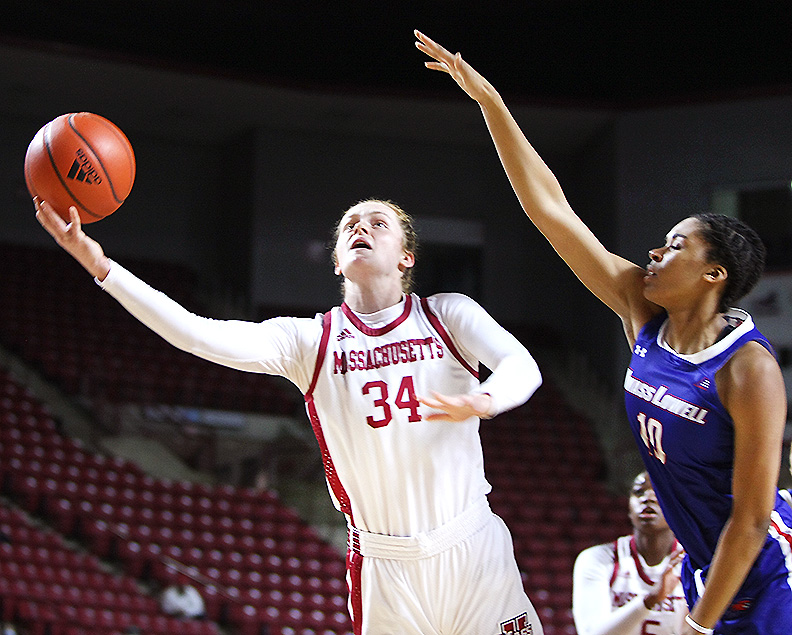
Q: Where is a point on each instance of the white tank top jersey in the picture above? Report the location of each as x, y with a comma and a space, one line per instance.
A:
610, 583
393, 472
387, 468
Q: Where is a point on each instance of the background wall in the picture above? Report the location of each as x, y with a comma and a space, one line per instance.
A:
244, 181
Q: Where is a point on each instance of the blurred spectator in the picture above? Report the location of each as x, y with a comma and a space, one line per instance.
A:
181, 599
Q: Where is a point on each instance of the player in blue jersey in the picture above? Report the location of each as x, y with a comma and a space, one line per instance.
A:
704, 391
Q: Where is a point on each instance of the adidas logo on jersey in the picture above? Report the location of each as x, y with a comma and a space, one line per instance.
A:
345, 335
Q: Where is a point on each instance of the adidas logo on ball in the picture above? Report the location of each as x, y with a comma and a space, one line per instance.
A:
82, 170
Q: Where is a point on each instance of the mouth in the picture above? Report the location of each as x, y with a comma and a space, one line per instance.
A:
648, 512
360, 244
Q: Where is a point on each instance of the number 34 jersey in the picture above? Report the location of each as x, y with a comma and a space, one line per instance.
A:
684, 433
389, 469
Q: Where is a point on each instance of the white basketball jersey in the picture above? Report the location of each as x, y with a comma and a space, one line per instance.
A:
633, 577
388, 469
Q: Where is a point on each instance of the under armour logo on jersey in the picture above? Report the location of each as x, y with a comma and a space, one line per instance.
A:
517, 626
640, 351
344, 335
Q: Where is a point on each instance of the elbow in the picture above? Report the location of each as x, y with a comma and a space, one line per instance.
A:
754, 526
535, 378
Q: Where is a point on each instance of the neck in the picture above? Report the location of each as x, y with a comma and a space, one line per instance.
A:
689, 332
654, 546
363, 299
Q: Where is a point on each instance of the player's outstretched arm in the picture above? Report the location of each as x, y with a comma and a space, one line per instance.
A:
615, 281
73, 239
752, 389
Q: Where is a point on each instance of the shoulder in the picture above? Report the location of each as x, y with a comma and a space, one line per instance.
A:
751, 364
598, 555
750, 382
449, 302
454, 307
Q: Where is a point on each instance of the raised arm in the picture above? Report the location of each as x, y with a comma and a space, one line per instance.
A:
614, 280
277, 346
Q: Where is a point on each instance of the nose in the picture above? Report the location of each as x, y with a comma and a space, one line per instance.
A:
655, 255
649, 496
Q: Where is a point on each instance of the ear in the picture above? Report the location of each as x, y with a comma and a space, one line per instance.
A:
336, 269
407, 260
716, 274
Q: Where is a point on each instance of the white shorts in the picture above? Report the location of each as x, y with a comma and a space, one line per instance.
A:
461, 579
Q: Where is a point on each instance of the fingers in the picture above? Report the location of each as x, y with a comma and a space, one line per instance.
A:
76, 223
54, 223
438, 401
433, 49
48, 218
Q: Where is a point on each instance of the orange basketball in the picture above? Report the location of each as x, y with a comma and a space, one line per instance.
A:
80, 159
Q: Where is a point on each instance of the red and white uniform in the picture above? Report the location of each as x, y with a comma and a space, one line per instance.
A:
610, 583
414, 492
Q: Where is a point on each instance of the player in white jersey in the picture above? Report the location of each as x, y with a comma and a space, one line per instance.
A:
391, 388
631, 586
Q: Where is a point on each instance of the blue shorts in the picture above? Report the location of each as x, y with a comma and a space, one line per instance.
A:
763, 606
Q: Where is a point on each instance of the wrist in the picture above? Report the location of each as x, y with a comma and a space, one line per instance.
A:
483, 405
698, 627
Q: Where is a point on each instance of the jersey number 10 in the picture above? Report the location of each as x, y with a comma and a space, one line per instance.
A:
652, 435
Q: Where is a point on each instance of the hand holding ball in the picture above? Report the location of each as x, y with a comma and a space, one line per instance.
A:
81, 160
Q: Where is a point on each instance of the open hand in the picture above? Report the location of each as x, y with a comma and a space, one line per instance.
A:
663, 588
463, 73
457, 407
71, 237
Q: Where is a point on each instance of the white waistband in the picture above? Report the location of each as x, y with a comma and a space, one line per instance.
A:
423, 545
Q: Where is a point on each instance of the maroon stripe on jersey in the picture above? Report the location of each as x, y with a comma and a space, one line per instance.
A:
638, 566
367, 330
435, 322
615, 563
320, 355
354, 567
327, 461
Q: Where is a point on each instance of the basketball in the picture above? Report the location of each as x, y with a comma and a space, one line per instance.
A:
81, 160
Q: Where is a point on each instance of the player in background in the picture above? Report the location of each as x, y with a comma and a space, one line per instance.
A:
392, 391
631, 586
705, 396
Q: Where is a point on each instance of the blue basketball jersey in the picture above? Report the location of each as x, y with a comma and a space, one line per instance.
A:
686, 440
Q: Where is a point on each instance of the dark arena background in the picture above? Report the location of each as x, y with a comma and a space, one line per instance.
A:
126, 464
